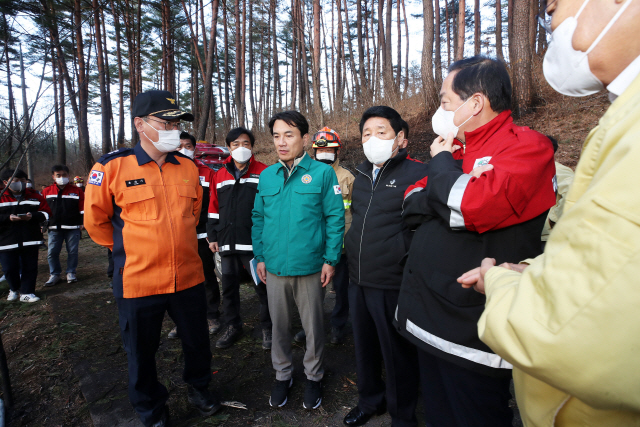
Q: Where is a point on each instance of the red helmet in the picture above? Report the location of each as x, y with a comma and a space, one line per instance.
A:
326, 137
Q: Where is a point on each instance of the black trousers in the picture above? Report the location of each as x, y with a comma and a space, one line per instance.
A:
110, 266
21, 261
210, 280
340, 312
140, 326
377, 342
230, 266
457, 397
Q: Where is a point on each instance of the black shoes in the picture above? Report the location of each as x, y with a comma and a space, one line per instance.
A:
337, 335
203, 400
214, 326
231, 334
266, 339
279, 392
312, 395
356, 417
300, 337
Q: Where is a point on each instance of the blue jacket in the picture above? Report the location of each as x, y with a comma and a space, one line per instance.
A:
298, 221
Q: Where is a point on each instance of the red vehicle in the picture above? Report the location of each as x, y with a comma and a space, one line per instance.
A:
211, 155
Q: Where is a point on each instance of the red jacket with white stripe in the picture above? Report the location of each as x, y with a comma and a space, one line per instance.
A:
230, 207
67, 206
206, 178
17, 234
459, 220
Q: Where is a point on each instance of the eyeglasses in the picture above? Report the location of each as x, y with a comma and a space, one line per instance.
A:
542, 15
167, 125
322, 139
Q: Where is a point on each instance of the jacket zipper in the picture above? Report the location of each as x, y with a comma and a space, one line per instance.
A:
373, 189
173, 255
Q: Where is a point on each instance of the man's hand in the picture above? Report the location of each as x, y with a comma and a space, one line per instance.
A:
327, 274
475, 278
26, 217
262, 271
440, 144
214, 247
480, 170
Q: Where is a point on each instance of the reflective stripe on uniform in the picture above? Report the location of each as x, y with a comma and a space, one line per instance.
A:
227, 182
478, 356
70, 197
2, 248
455, 201
224, 248
214, 215
347, 204
244, 247
38, 242
202, 235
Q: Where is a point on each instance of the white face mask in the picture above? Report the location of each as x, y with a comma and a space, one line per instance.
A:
566, 69
168, 140
29, 185
378, 150
186, 152
62, 181
442, 121
79, 185
326, 157
241, 154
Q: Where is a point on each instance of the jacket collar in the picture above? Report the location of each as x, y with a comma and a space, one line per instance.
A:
143, 158
366, 167
477, 137
304, 162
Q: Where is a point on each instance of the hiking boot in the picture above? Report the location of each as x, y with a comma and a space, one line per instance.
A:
312, 395
29, 298
279, 392
266, 339
205, 401
300, 337
53, 279
71, 278
214, 326
13, 296
173, 334
231, 335
337, 335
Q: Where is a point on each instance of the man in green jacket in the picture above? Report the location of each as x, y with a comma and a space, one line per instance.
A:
298, 224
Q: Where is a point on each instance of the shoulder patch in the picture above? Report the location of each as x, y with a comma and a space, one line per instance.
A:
122, 152
95, 177
336, 189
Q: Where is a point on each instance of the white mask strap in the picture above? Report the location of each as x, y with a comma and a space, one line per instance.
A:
609, 25
581, 9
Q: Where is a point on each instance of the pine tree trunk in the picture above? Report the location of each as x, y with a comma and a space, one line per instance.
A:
447, 25
86, 159
208, 79
317, 96
477, 30
498, 26
364, 84
428, 82
104, 96
438, 56
521, 58
460, 38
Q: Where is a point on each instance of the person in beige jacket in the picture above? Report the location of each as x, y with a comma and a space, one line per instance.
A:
327, 145
569, 321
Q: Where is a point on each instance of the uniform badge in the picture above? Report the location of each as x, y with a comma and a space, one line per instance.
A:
337, 189
481, 162
393, 181
95, 178
306, 179
134, 182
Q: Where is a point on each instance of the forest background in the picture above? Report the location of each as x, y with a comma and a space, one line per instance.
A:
68, 63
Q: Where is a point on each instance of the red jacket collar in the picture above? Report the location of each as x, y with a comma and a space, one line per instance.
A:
477, 137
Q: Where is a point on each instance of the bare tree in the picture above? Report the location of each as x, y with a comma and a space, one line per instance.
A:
428, 81
520, 58
208, 78
459, 54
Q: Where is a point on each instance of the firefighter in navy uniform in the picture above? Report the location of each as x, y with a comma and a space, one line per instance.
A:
144, 204
188, 148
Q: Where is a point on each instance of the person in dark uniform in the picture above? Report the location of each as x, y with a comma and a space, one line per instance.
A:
144, 203
376, 245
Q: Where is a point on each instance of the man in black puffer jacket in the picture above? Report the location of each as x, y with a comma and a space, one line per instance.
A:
376, 245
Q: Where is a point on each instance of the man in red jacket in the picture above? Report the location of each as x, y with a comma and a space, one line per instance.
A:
490, 197
22, 210
67, 206
233, 191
